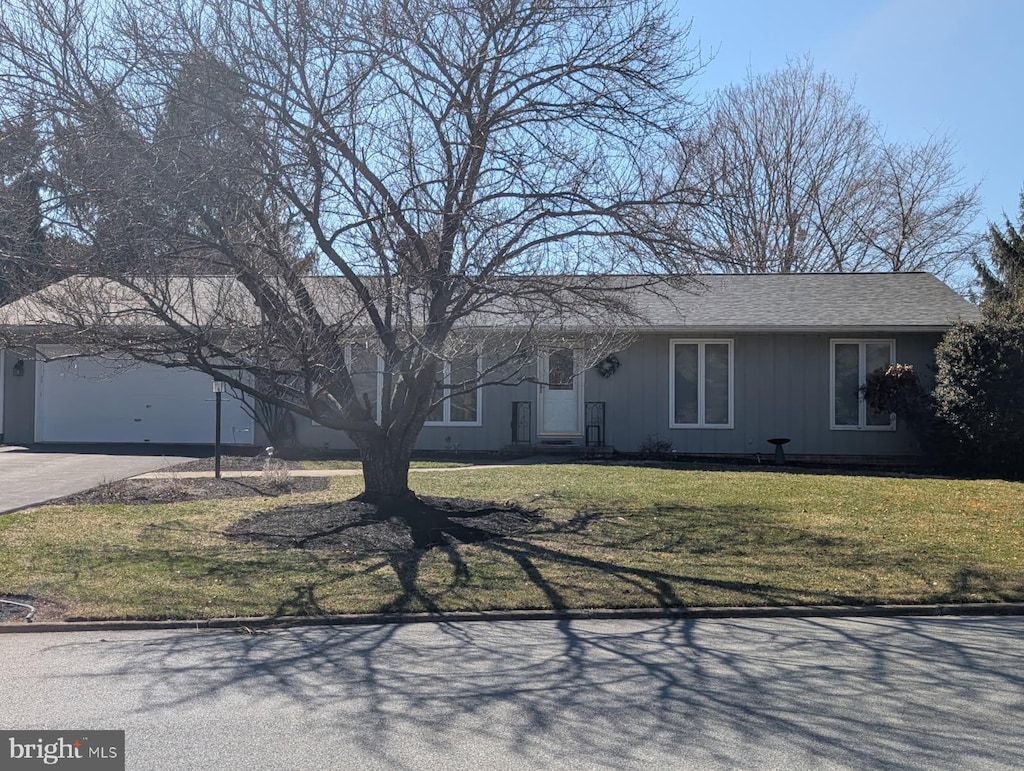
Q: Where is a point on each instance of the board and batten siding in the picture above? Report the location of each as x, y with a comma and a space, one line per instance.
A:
493, 433
19, 395
781, 388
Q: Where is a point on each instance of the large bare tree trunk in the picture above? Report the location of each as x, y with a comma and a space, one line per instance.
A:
386, 472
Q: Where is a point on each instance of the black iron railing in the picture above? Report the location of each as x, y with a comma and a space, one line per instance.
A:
593, 424
521, 422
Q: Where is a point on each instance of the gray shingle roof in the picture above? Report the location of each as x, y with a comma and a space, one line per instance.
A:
810, 301
826, 301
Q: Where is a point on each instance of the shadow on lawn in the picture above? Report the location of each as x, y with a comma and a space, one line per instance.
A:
667, 555
717, 555
593, 548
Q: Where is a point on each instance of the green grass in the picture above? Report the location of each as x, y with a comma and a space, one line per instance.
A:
611, 537
345, 465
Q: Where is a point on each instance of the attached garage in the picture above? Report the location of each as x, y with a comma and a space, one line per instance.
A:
94, 400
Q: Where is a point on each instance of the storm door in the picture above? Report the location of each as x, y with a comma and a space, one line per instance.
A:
561, 394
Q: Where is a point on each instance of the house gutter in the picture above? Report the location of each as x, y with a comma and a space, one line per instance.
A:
802, 330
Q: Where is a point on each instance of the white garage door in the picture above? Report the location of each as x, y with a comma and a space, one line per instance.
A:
97, 400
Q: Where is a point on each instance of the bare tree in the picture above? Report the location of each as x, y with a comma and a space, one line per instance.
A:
921, 210
420, 179
802, 181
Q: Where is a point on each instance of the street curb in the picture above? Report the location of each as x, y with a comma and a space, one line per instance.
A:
248, 624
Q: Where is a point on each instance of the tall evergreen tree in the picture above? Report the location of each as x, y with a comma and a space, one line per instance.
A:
1002, 279
162, 198
979, 383
22, 236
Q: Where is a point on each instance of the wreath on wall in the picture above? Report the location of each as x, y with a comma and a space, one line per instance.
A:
607, 366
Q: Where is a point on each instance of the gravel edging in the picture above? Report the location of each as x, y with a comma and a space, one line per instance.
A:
249, 625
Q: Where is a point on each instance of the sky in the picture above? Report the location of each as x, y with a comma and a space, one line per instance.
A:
922, 68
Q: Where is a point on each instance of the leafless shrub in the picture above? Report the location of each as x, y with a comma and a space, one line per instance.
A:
276, 476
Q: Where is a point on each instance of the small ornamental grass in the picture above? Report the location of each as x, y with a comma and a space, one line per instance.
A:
607, 536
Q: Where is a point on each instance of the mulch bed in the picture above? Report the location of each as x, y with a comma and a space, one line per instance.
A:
177, 490
352, 527
235, 463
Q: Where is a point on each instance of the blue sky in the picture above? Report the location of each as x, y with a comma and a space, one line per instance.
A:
921, 67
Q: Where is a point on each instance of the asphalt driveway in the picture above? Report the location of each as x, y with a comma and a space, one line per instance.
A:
30, 476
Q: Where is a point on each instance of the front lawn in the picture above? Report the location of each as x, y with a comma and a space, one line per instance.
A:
608, 536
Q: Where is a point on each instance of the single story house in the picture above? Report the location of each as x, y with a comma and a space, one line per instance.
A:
721, 366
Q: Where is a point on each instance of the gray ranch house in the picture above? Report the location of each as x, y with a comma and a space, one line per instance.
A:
719, 366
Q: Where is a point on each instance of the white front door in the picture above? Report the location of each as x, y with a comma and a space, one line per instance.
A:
561, 394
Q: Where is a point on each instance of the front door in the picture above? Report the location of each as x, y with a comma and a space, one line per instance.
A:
561, 403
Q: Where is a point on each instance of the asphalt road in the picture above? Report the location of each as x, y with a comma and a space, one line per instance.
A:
785, 694
32, 476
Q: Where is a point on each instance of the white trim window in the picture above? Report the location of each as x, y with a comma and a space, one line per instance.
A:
850, 361
366, 369
460, 407
700, 383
